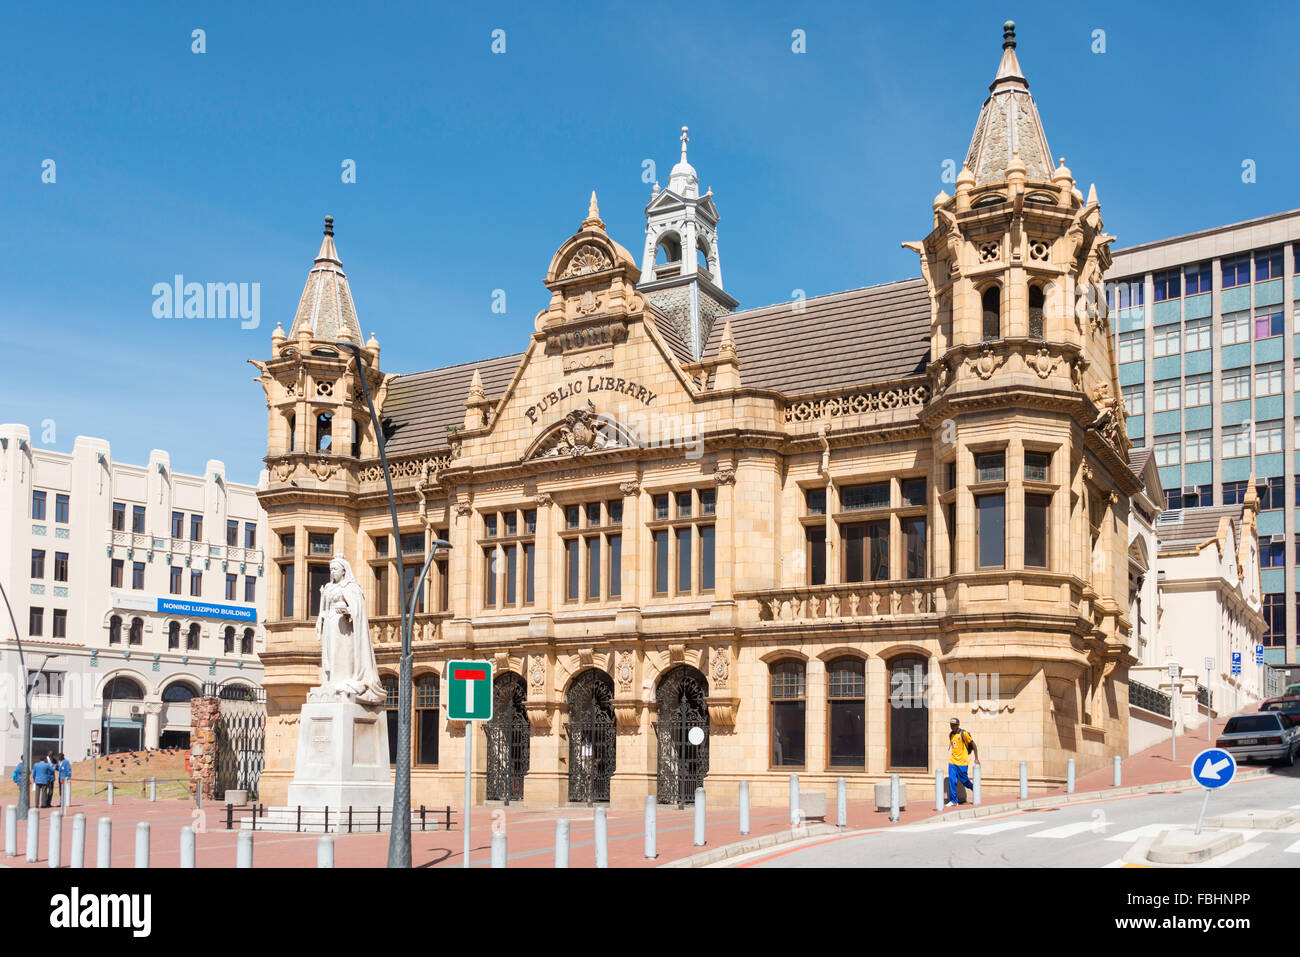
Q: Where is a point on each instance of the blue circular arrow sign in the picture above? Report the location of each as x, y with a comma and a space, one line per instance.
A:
1213, 768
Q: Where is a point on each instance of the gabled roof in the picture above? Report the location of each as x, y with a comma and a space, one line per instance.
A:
843, 339
1179, 529
419, 407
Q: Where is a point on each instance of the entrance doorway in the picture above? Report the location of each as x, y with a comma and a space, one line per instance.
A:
507, 740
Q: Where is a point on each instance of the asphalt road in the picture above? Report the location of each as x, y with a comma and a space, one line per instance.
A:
1104, 833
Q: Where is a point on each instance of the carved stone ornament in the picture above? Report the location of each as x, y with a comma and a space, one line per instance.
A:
1041, 362
283, 470
580, 433
624, 672
544, 498
941, 374
987, 363
724, 474
588, 303
629, 488
324, 468
463, 508
587, 259
538, 675
719, 667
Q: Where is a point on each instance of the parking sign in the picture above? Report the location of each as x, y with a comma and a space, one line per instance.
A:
1236, 662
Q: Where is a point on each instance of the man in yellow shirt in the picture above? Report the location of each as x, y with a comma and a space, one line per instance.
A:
961, 751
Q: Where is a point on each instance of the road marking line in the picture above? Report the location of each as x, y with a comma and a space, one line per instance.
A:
1147, 830
1293, 849
996, 828
1066, 830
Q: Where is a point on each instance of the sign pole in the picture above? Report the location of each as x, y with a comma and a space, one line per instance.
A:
469, 759
1204, 805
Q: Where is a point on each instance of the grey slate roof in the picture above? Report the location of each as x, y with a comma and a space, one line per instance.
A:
1189, 526
1138, 458
420, 406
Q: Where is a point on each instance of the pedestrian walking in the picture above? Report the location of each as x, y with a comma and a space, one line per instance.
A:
962, 750
65, 776
18, 772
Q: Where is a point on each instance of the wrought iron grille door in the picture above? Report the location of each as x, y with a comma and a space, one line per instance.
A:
240, 740
592, 741
682, 706
507, 740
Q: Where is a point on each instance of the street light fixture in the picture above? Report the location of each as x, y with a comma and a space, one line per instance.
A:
399, 836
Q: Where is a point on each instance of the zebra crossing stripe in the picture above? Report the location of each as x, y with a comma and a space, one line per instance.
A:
1066, 830
1293, 849
998, 828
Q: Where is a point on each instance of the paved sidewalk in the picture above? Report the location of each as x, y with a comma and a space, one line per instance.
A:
531, 831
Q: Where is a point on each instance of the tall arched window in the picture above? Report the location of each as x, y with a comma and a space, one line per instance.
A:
173, 635
192, 638
246, 642
1035, 312
846, 692
390, 707
426, 720
788, 713
293, 433
228, 641
324, 434
179, 691
115, 630
136, 637
992, 308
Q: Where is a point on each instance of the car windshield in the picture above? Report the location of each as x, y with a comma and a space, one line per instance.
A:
1291, 689
1251, 722
1287, 707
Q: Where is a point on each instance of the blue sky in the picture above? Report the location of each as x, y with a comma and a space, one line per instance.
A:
473, 167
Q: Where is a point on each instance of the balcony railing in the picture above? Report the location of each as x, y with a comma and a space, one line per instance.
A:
856, 601
180, 547
1204, 696
387, 629
1148, 699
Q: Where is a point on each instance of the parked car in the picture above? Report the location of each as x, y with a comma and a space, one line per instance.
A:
1286, 704
1291, 690
1264, 736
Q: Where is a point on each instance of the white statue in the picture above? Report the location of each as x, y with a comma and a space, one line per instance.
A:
348, 669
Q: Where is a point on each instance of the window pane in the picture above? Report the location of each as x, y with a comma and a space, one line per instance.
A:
914, 546
684, 559
572, 560
816, 539
914, 491
661, 561
615, 566
512, 574
991, 529
706, 557
879, 537
852, 538
875, 495
1036, 516
530, 564
990, 467
816, 500
593, 567
848, 739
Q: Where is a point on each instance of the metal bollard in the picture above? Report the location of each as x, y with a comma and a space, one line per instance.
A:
975, 780
153, 789
142, 844
744, 807
65, 795
562, 843
11, 830
55, 851
651, 824
110, 792
1117, 767
187, 846
841, 803
602, 838
699, 816
325, 851
104, 844
938, 789
1069, 776
893, 797
244, 850
33, 833
78, 841
794, 800
499, 848
1024, 780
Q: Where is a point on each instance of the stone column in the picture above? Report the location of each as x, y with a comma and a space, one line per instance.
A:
152, 723
205, 716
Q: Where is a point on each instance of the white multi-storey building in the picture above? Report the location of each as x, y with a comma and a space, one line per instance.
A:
133, 585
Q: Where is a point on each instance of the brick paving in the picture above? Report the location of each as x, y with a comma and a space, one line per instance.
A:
530, 831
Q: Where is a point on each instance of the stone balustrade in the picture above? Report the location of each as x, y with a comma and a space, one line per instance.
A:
857, 601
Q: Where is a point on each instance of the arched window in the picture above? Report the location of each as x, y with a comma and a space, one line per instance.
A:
115, 630
356, 438
991, 301
846, 692
228, 641
788, 713
324, 436
426, 720
702, 257
390, 706
246, 642
1035, 312
293, 433
179, 691
173, 635
123, 688
136, 636
192, 638
669, 249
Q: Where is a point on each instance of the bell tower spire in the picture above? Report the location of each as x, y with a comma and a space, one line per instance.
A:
681, 270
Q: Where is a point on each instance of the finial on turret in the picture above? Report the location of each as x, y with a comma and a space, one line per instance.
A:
1009, 35
685, 139
329, 225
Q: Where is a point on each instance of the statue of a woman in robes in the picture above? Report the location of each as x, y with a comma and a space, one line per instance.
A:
348, 668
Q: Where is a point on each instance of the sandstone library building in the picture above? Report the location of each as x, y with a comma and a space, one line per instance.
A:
815, 531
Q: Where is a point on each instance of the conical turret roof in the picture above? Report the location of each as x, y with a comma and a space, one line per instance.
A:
1009, 124
326, 304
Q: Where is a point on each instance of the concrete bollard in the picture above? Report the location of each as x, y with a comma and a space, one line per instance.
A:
794, 800
562, 843
975, 776
699, 815
78, 859
110, 792
104, 844
244, 850
55, 852
325, 851
602, 838
1024, 780
744, 807
499, 848
1069, 776
33, 833
651, 823
142, 844
938, 789
187, 846
11, 830
841, 803
153, 789
893, 797
1117, 767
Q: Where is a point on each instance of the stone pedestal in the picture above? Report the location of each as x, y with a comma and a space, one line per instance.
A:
342, 757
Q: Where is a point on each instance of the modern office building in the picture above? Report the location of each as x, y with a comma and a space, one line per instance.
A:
132, 586
1206, 330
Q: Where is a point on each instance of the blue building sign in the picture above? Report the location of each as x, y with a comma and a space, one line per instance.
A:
200, 609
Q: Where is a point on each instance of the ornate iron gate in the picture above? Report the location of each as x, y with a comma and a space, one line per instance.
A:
240, 738
682, 706
507, 740
592, 742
